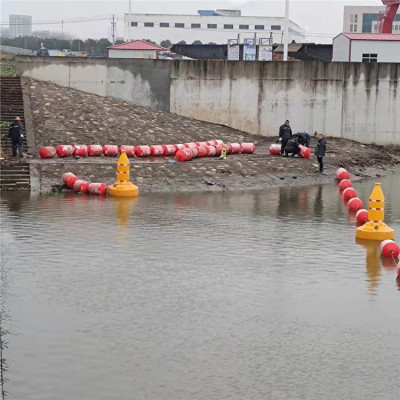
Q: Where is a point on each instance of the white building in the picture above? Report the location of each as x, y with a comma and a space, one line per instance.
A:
367, 47
360, 19
209, 26
20, 25
134, 49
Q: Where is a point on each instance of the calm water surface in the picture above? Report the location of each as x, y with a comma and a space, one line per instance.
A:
257, 295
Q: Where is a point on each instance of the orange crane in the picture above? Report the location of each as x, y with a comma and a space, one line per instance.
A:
387, 17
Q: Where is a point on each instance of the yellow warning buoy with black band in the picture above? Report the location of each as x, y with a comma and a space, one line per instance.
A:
123, 187
375, 228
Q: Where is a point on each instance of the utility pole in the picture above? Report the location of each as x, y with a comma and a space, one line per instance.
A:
113, 23
129, 22
62, 28
286, 35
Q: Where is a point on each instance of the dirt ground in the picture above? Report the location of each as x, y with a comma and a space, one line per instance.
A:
66, 116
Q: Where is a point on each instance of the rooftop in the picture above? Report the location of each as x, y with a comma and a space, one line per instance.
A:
137, 45
372, 36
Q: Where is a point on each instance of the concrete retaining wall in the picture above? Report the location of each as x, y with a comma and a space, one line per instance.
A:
359, 101
144, 82
351, 100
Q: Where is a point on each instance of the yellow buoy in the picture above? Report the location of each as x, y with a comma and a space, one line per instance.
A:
375, 228
123, 187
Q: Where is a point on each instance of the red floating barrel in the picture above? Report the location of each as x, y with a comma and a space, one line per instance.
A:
305, 152
344, 184
355, 204
349, 193
156, 150
211, 151
64, 150
94, 150
389, 249
142, 151
69, 179
218, 149
184, 155
362, 216
248, 148
235, 148
80, 150
219, 141
341, 174
201, 144
212, 143
275, 149
169, 149
81, 186
195, 151
85, 187
202, 151
179, 146
228, 148
77, 185
110, 150
190, 145
47, 152
129, 150
97, 188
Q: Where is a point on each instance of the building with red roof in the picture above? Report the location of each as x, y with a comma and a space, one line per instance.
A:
135, 49
367, 47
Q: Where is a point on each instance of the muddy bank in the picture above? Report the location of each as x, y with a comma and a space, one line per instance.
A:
238, 172
66, 116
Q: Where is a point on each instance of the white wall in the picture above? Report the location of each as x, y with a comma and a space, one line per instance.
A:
341, 50
356, 101
205, 35
261, 96
387, 51
148, 54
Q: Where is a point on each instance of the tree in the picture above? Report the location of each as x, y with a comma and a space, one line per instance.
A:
119, 41
166, 43
77, 45
90, 47
211, 43
26, 42
101, 46
181, 42
56, 44
150, 41
197, 42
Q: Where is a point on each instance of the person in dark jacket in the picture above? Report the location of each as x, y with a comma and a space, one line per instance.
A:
304, 138
16, 134
320, 151
285, 132
292, 146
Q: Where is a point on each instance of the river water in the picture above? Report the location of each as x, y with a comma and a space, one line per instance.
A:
253, 295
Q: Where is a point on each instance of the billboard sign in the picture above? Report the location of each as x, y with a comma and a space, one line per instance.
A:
265, 49
250, 50
233, 50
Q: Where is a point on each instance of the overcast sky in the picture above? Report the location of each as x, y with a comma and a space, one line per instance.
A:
322, 19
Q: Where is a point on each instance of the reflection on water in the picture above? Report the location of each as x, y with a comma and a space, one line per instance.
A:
372, 262
249, 295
